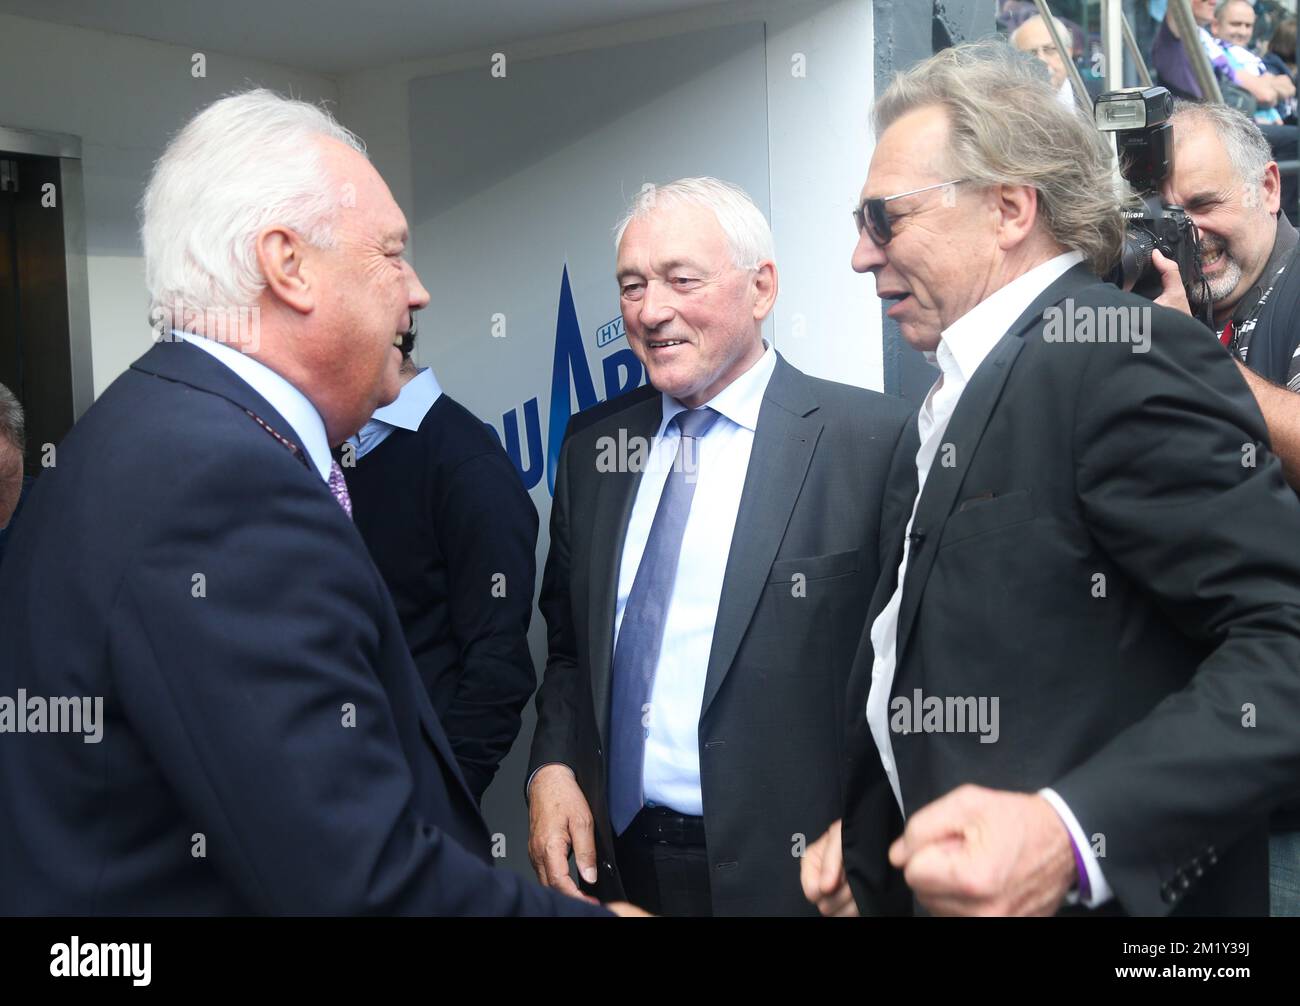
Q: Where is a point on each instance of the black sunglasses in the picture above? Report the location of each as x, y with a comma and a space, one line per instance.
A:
872, 218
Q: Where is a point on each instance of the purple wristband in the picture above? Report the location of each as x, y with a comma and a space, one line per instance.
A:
1085, 888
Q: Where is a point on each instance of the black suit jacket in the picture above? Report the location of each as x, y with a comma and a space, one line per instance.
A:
1108, 556
267, 745
451, 528
771, 722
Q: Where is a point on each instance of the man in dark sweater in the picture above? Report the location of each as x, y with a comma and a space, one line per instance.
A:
454, 534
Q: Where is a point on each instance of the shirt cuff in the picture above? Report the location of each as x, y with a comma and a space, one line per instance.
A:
528, 786
1093, 889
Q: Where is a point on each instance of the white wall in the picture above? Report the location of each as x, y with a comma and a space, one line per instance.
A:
827, 320
123, 96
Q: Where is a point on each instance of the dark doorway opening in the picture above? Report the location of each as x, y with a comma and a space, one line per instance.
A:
35, 349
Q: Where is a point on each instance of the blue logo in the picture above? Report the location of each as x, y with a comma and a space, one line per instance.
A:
609, 332
571, 379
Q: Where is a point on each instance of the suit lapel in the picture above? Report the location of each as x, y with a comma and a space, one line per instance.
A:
181, 362
900, 494
784, 440
615, 494
964, 432
177, 360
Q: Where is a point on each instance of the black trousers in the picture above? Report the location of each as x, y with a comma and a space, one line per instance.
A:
664, 863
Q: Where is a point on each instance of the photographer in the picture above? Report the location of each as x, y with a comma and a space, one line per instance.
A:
1225, 179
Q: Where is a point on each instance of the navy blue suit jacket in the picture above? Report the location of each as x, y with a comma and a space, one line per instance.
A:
268, 746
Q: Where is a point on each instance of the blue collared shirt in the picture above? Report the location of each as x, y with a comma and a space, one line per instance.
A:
282, 396
672, 752
406, 412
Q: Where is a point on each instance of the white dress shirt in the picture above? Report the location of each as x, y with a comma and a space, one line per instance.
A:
671, 774
1065, 93
963, 346
308, 430
406, 412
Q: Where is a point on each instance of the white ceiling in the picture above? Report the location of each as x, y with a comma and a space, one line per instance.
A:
335, 37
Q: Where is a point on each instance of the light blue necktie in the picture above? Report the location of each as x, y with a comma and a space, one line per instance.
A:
641, 634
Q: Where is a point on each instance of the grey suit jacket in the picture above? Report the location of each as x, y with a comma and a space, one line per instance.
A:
771, 722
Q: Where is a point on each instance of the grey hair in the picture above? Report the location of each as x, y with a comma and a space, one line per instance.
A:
12, 427
748, 233
1247, 149
1006, 127
245, 162
1060, 27
1223, 5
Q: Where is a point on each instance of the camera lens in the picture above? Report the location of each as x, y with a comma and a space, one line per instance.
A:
1135, 260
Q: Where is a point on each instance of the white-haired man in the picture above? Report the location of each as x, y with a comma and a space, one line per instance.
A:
1034, 38
713, 545
1079, 678
262, 742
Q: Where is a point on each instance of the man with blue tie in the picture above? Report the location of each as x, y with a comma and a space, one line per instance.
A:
713, 547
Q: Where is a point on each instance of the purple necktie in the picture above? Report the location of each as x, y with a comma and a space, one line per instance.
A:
339, 488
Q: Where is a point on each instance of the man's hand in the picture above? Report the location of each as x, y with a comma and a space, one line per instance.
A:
1172, 294
626, 910
981, 851
559, 819
822, 875
1282, 85
1262, 89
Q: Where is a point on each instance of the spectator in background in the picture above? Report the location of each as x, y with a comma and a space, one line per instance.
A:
1013, 13
13, 445
1268, 15
1280, 58
1234, 21
1034, 38
1171, 61
451, 528
1174, 68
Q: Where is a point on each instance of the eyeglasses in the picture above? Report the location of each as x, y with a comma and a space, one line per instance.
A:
872, 218
1043, 51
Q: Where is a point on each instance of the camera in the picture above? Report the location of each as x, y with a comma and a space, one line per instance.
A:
1139, 118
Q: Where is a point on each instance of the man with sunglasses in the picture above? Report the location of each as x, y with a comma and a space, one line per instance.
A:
1078, 679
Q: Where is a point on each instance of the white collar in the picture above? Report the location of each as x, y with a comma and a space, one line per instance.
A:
282, 396
965, 343
740, 401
